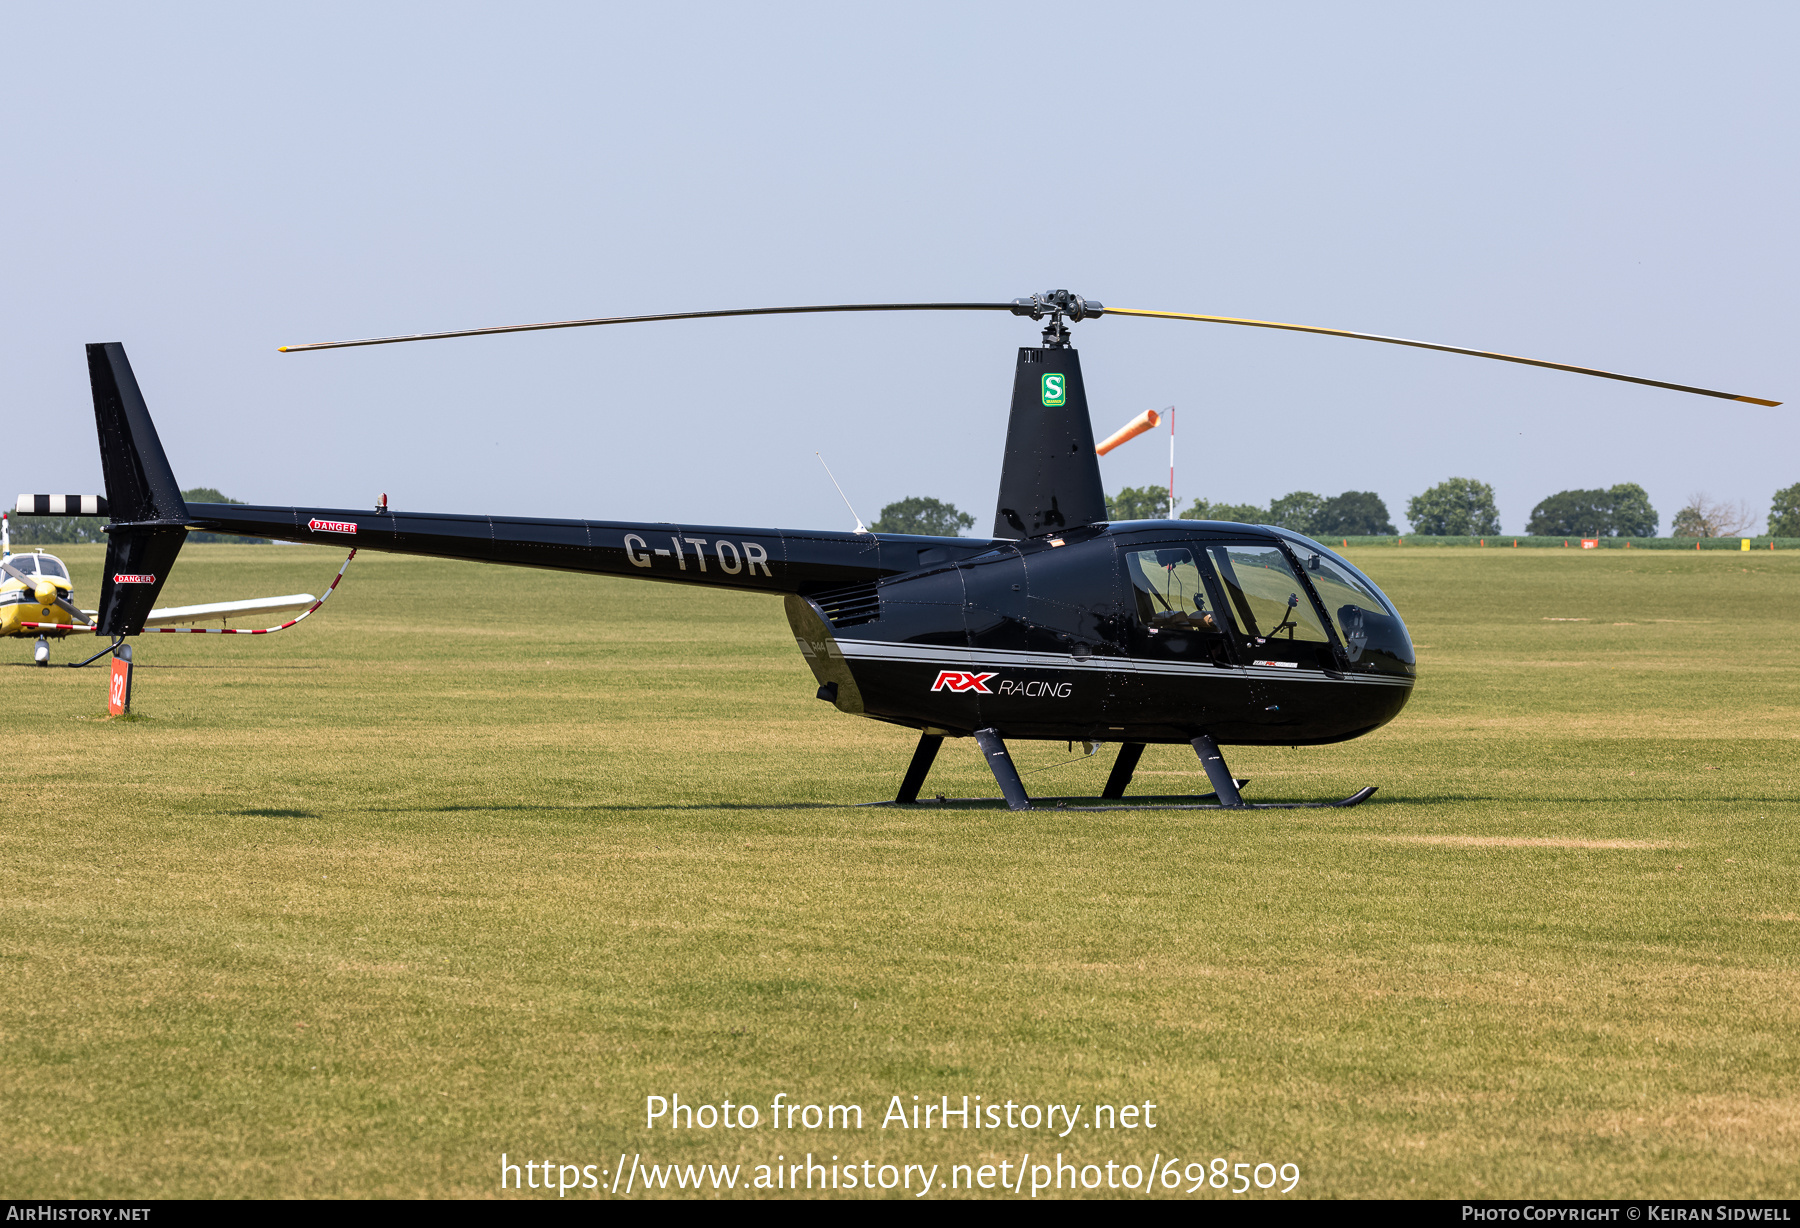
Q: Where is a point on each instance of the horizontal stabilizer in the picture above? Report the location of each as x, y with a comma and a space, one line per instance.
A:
220, 611
61, 505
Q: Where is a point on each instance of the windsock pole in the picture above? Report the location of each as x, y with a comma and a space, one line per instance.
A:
1171, 462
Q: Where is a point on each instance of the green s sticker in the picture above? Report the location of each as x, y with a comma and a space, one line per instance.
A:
1055, 392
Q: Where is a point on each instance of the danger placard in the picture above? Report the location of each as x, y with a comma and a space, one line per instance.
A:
331, 526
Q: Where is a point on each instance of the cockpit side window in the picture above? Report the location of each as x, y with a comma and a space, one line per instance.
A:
1266, 597
1169, 591
1175, 603
1270, 607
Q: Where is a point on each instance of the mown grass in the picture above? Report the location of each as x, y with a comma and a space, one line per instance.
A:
478, 858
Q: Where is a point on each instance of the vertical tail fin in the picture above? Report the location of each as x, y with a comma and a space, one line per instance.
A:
148, 514
140, 486
1050, 479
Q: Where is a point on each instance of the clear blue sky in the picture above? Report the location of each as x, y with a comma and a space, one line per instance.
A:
1605, 184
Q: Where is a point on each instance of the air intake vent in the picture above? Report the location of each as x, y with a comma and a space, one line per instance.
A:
850, 607
1031, 355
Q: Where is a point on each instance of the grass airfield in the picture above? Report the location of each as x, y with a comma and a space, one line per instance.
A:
477, 858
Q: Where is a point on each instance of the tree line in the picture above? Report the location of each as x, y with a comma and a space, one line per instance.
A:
1455, 507
1355, 513
1351, 514
1464, 507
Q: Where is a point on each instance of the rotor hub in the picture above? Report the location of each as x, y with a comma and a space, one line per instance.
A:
1063, 309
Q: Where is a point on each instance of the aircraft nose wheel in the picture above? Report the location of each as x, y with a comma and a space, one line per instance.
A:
41, 652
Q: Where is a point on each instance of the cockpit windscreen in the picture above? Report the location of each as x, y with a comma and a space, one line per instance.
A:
1371, 631
39, 564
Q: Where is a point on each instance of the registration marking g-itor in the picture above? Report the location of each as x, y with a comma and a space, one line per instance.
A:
732, 557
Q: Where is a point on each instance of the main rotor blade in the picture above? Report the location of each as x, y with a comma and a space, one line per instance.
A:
1428, 345
676, 315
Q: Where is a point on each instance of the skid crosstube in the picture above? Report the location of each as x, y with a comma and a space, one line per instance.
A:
1225, 795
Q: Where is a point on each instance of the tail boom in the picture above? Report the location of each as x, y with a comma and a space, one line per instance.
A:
759, 560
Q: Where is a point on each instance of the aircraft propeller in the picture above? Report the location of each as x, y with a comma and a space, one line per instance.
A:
46, 593
1055, 304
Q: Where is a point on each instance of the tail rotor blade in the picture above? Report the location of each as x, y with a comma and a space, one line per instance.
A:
1429, 345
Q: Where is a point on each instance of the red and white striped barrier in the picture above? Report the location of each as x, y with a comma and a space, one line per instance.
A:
214, 630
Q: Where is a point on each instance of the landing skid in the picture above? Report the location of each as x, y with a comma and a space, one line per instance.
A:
1225, 795
1185, 801
112, 647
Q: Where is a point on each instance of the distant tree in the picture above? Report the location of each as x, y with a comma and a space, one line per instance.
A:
1139, 503
1784, 513
1242, 513
1355, 513
208, 494
1298, 511
1632, 515
927, 517
1707, 517
1623, 511
1455, 507
1572, 513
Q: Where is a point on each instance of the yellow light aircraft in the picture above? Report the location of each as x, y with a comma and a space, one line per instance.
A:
37, 598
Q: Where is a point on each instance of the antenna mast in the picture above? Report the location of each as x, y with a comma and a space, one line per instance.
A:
860, 528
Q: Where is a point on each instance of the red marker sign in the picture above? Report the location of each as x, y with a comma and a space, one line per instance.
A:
331, 526
122, 578
1590, 543
118, 697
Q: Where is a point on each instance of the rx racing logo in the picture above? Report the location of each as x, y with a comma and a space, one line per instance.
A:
1055, 389
958, 680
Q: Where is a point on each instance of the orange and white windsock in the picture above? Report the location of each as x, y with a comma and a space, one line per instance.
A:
1131, 430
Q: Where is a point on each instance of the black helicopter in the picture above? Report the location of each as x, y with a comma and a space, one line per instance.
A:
1061, 626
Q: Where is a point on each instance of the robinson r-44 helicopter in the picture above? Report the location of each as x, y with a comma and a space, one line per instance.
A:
1060, 626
